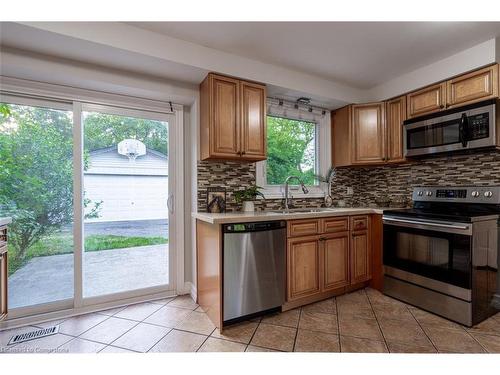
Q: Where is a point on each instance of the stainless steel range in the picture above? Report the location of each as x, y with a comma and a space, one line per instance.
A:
442, 255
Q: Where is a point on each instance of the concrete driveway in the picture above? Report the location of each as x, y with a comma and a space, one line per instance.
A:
50, 278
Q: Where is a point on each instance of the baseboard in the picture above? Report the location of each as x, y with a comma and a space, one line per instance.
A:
190, 288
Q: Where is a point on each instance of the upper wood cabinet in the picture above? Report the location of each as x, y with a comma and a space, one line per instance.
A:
232, 119
465, 89
253, 120
368, 131
341, 137
468, 88
360, 134
427, 100
395, 112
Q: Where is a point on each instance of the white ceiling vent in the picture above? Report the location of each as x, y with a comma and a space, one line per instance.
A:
132, 148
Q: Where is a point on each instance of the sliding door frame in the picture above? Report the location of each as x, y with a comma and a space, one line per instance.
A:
27, 92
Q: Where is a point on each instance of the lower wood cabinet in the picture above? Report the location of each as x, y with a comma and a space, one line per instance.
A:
360, 256
328, 259
335, 261
303, 263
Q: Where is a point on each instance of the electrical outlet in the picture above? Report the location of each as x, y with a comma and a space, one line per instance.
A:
350, 191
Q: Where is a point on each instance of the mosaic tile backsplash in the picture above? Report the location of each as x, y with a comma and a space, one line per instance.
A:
368, 184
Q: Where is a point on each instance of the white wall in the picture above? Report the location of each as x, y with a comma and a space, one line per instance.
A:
469, 59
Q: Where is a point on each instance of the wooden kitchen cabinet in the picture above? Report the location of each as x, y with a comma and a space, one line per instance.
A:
427, 100
395, 112
334, 256
479, 85
303, 266
368, 132
359, 135
335, 261
360, 250
232, 119
253, 120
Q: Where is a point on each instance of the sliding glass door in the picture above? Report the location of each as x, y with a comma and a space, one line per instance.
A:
90, 190
36, 190
126, 196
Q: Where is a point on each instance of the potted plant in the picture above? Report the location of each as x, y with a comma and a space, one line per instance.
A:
247, 196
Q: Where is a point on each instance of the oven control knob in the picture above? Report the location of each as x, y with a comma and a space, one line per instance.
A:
420, 193
475, 194
488, 194
428, 193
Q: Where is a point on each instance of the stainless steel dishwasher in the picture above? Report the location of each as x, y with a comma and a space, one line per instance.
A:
254, 268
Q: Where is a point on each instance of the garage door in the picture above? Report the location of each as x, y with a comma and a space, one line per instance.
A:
128, 197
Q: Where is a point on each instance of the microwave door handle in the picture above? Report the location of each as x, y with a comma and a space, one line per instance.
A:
463, 130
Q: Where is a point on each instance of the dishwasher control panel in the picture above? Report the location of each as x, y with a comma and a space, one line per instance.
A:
253, 227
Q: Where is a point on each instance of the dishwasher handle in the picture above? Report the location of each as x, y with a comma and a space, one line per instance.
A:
253, 227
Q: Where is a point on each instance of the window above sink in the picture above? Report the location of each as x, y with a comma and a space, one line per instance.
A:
297, 144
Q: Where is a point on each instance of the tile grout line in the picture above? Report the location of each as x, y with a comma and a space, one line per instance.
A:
338, 323
423, 330
204, 341
297, 330
253, 334
472, 336
376, 319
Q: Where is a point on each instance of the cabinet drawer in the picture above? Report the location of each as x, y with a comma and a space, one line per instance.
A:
359, 223
299, 228
336, 224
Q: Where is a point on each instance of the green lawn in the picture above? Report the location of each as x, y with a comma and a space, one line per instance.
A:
62, 243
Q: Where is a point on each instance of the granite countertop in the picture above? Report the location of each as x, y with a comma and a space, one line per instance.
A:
242, 217
5, 221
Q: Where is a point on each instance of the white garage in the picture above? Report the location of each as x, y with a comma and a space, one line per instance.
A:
129, 188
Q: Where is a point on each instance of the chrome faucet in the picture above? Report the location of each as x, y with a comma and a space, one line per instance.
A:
304, 189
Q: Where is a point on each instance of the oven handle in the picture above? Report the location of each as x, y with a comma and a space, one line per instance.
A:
390, 220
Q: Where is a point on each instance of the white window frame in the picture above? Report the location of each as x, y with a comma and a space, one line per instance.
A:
323, 152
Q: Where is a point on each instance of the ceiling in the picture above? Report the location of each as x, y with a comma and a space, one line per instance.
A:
359, 54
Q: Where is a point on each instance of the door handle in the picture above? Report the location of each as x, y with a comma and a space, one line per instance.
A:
170, 203
463, 130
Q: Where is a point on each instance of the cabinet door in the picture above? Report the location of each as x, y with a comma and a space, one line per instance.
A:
395, 115
336, 261
253, 121
341, 137
360, 257
368, 133
303, 267
469, 88
225, 125
427, 100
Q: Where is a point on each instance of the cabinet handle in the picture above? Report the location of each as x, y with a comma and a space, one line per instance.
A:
441, 106
242, 152
322, 238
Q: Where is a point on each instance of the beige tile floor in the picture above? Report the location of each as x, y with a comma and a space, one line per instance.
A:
364, 321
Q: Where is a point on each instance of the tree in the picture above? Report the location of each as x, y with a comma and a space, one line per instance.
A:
36, 173
103, 130
290, 150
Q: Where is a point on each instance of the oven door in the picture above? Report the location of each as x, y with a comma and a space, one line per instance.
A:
432, 254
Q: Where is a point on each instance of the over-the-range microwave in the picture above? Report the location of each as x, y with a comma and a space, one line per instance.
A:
458, 129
